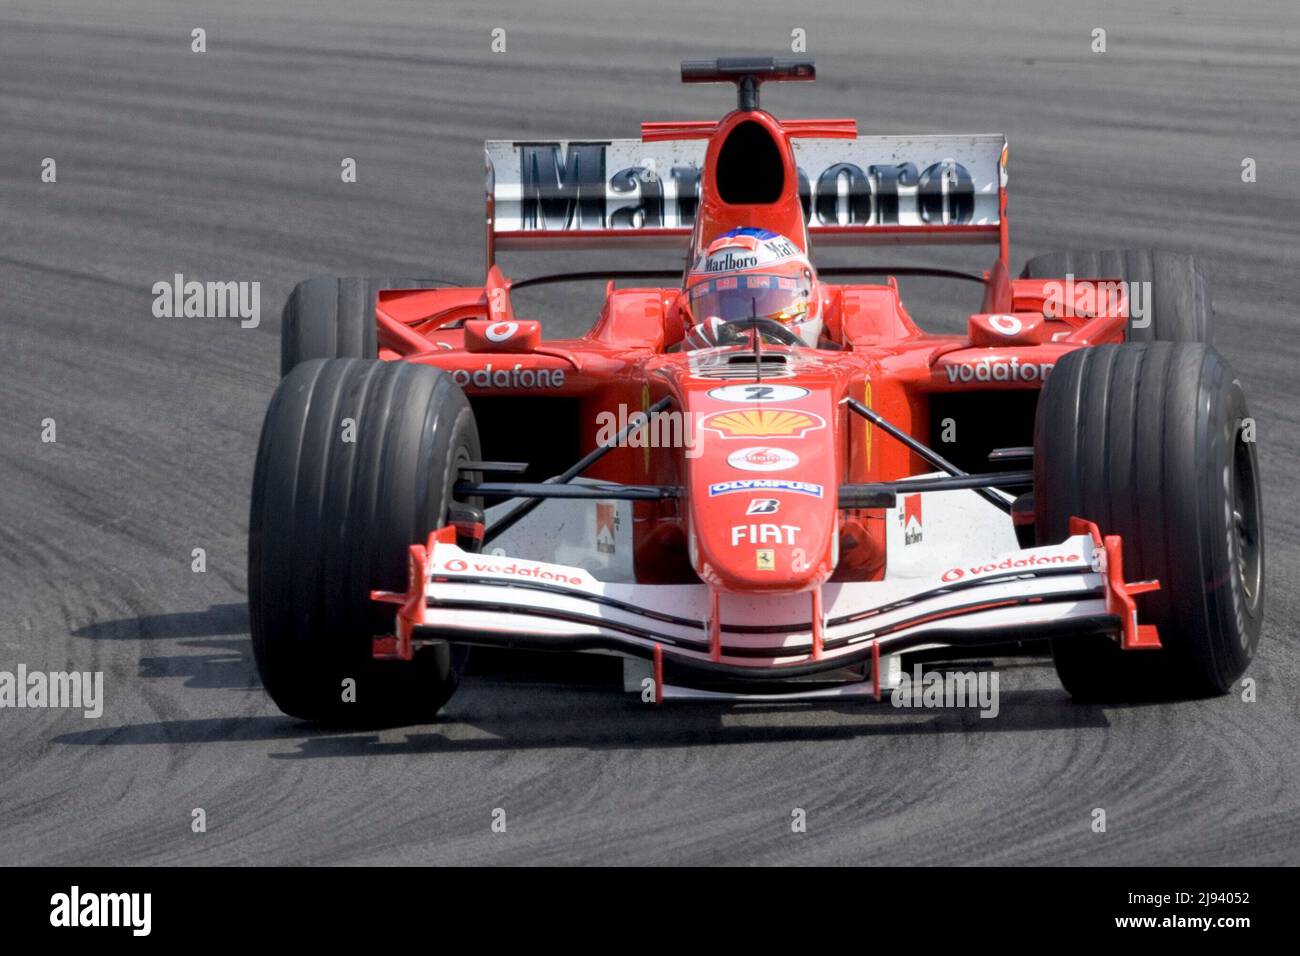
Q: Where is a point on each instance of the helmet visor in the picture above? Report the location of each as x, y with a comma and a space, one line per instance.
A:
735, 297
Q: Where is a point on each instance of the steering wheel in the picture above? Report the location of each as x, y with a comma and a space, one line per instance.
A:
734, 332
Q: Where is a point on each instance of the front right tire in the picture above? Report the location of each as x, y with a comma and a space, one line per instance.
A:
327, 317
356, 463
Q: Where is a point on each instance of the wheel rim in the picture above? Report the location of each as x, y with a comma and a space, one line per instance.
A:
1246, 521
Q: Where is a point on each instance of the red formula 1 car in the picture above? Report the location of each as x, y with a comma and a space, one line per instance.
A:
752, 482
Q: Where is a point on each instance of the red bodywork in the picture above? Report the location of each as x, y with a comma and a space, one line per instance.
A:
886, 361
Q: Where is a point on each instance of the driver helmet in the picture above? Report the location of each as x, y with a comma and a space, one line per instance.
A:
747, 273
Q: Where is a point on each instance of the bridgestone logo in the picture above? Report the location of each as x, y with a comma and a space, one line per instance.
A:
998, 370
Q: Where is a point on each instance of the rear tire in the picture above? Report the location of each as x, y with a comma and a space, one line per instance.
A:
1179, 309
334, 318
332, 518
1146, 440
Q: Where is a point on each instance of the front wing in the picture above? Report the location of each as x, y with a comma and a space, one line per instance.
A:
706, 636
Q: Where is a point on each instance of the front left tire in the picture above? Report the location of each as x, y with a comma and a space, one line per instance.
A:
1177, 297
1154, 442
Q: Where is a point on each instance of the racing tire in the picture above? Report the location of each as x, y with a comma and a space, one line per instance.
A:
1150, 442
333, 518
334, 318
1179, 309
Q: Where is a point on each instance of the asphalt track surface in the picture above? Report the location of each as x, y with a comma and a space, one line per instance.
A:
225, 166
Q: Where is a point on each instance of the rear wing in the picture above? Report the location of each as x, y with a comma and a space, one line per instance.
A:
854, 189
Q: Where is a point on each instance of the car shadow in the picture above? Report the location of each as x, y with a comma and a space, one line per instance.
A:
222, 632
495, 716
218, 653
627, 725
518, 700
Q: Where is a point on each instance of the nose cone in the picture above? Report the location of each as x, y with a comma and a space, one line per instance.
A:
763, 481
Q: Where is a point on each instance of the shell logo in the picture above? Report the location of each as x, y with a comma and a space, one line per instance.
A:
764, 423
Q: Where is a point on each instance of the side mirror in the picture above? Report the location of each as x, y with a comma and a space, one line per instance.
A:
678, 318
519, 335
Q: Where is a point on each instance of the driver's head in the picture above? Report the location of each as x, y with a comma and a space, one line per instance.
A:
753, 272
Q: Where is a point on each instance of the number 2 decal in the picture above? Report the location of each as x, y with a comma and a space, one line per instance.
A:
745, 394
